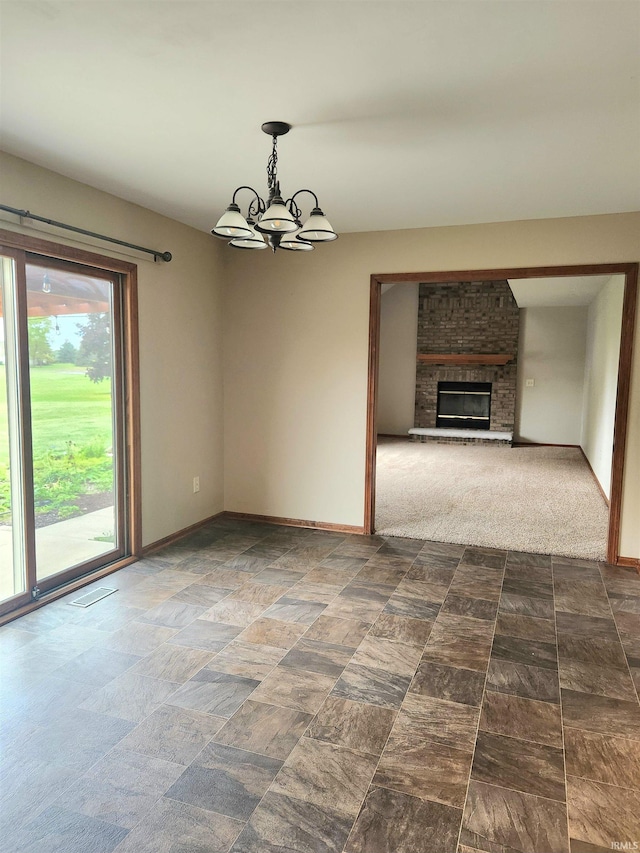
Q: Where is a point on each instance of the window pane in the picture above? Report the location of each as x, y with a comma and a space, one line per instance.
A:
73, 411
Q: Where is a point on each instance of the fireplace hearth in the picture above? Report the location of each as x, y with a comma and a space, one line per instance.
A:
464, 405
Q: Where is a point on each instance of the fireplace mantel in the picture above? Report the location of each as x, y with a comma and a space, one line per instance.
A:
463, 358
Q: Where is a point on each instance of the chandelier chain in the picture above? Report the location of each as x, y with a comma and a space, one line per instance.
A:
272, 169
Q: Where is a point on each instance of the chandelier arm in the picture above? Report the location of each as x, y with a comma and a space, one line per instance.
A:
294, 210
255, 209
261, 205
291, 201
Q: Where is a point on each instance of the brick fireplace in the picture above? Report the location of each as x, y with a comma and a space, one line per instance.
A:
468, 336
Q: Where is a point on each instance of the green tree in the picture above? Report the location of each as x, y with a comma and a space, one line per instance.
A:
95, 347
40, 351
67, 353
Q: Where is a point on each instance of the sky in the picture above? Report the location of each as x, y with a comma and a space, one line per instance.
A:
68, 326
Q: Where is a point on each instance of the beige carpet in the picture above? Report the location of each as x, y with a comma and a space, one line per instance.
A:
538, 499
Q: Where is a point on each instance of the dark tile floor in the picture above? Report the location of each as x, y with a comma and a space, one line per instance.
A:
257, 688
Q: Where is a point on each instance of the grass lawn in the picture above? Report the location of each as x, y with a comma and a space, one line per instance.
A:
66, 406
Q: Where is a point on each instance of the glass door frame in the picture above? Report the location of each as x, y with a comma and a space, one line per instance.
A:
24, 249
117, 396
24, 509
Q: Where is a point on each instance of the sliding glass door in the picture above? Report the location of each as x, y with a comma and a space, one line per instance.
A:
62, 448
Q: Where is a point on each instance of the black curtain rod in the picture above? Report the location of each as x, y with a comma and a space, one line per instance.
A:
25, 214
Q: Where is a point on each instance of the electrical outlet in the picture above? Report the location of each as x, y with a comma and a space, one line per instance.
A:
529, 383
196, 484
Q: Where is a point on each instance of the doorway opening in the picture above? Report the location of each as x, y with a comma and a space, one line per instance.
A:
435, 368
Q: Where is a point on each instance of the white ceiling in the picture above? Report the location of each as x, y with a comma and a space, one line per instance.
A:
558, 292
405, 114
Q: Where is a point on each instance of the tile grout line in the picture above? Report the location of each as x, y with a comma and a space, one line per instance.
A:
399, 710
564, 752
460, 560
284, 761
599, 781
397, 713
519, 737
626, 659
481, 707
308, 627
92, 766
170, 567
266, 703
634, 741
525, 794
115, 747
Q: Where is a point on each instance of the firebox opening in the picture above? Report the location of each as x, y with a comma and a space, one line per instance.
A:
464, 405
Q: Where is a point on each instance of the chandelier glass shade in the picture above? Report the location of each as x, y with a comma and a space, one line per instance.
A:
275, 223
251, 241
232, 224
317, 228
276, 219
293, 243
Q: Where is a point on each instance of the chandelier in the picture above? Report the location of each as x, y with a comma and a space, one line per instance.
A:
276, 223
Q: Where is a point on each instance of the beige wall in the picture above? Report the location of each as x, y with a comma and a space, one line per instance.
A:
551, 351
180, 337
398, 347
296, 329
601, 379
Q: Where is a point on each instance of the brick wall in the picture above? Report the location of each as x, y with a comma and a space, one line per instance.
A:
479, 317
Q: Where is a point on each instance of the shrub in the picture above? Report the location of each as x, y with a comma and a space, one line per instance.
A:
62, 477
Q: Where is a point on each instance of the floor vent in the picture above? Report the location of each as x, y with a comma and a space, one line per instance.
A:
90, 598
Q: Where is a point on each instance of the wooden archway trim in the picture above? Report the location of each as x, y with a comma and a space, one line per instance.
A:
630, 272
